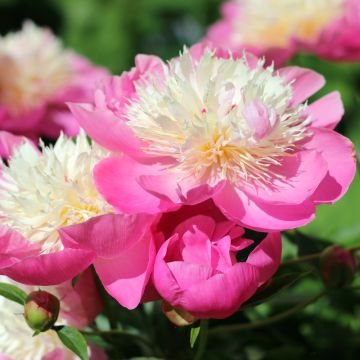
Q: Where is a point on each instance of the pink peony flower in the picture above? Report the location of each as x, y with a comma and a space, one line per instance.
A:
204, 126
39, 194
196, 268
79, 307
277, 29
37, 77
339, 40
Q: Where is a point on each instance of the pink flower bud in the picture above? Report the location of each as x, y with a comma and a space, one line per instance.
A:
338, 266
41, 310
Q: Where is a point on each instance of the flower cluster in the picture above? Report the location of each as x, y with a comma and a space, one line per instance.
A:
182, 178
279, 28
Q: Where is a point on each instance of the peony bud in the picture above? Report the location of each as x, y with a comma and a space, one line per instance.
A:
338, 266
177, 316
41, 310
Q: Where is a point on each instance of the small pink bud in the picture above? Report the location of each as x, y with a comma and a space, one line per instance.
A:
338, 266
41, 310
177, 316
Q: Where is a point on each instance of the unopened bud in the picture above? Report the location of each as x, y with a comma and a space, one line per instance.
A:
41, 310
177, 316
338, 266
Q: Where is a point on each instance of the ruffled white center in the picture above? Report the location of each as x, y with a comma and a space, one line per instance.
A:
218, 119
16, 339
272, 23
33, 68
40, 193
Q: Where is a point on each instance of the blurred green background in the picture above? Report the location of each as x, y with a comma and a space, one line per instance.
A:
111, 33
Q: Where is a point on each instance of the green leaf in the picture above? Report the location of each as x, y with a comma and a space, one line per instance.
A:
277, 285
73, 340
13, 293
194, 333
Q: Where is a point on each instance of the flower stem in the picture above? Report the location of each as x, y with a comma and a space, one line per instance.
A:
256, 324
312, 257
204, 325
118, 332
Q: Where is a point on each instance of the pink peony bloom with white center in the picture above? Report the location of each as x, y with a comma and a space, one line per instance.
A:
44, 192
79, 307
41, 192
279, 28
229, 129
37, 77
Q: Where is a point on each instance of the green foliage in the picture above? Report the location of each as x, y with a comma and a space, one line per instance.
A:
13, 293
194, 333
276, 285
73, 340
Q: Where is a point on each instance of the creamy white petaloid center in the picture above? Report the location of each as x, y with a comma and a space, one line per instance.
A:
218, 119
272, 23
39, 193
16, 339
33, 68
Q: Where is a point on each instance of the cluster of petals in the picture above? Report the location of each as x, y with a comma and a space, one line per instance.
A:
80, 304
210, 125
280, 28
40, 193
186, 257
37, 77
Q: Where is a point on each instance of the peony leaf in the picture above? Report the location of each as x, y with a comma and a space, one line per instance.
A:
13, 293
73, 340
194, 333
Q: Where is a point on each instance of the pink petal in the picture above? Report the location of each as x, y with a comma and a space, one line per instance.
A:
116, 178
302, 172
9, 142
258, 119
57, 354
188, 274
202, 223
169, 277
4, 357
222, 294
327, 111
304, 82
80, 304
197, 248
126, 276
194, 194
59, 119
50, 269
107, 235
147, 63
339, 153
267, 256
253, 213
107, 129
14, 247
